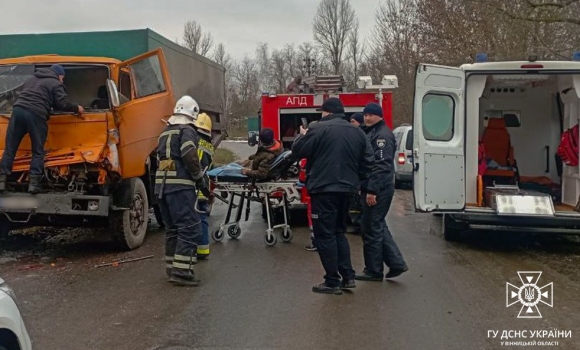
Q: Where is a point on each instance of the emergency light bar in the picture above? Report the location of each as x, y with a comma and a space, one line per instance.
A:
389, 82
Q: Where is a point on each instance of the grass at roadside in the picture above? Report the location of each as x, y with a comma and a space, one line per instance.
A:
223, 156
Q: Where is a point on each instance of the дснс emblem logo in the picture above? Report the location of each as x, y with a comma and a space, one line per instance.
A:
529, 294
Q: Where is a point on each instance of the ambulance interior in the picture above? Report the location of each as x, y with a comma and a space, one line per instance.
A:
519, 120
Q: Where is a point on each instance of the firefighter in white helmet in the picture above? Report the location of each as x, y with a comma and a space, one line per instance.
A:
205, 151
177, 180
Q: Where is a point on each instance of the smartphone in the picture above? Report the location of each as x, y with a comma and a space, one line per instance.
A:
305, 123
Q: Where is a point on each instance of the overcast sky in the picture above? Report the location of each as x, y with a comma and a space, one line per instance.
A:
239, 24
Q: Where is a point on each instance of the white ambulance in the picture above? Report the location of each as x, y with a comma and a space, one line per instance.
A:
508, 117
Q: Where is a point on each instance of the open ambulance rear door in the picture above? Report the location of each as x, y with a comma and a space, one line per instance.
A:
438, 141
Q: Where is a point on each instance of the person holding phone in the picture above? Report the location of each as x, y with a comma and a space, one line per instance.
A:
338, 155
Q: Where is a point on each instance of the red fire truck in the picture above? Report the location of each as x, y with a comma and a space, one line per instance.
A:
283, 113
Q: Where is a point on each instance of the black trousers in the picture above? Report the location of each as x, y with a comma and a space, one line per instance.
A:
23, 122
329, 222
183, 233
379, 245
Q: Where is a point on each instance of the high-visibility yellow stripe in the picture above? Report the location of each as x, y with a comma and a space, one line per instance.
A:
202, 251
175, 182
186, 144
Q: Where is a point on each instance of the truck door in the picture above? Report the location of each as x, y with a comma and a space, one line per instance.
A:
438, 139
140, 115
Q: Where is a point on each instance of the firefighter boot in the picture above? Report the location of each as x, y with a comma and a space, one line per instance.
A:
34, 185
3, 178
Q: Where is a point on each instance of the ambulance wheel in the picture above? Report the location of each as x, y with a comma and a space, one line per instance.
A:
217, 235
287, 235
452, 229
270, 241
129, 227
234, 231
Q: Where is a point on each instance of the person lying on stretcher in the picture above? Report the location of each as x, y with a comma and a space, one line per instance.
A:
258, 164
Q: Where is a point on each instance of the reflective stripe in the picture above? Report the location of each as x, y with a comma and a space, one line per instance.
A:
183, 257
175, 182
168, 258
203, 251
169, 173
169, 134
182, 266
188, 143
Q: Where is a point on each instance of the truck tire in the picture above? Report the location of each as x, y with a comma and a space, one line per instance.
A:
129, 227
453, 229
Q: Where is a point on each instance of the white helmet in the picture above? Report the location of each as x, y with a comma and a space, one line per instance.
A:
187, 106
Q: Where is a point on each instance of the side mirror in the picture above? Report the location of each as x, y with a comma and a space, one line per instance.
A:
253, 138
113, 93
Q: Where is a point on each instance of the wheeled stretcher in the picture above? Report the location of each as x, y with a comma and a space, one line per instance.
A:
242, 190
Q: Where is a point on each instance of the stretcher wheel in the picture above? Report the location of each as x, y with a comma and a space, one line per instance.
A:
287, 235
270, 241
234, 231
217, 235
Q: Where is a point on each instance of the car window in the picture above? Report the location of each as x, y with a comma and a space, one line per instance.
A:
409, 143
398, 136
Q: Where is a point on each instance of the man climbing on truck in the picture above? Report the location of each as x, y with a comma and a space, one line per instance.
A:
41, 93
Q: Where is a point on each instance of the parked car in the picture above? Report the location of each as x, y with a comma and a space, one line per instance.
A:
13, 334
404, 155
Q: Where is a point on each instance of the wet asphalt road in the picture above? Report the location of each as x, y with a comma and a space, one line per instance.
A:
258, 297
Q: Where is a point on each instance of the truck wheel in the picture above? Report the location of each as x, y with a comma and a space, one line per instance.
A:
130, 226
452, 229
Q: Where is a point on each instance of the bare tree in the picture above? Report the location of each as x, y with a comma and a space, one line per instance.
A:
263, 66
222, 57
333, 22
278, 71
355, 54
195, 39
293, 64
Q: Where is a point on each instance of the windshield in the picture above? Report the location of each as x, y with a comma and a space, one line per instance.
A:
12, 78
84, 85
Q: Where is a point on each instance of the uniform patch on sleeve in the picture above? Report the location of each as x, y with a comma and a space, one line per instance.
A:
381, 143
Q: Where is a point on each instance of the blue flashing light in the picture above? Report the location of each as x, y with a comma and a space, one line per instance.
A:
576, 56
481, 57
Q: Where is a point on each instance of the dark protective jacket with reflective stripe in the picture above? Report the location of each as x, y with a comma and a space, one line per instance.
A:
205, 152
178, 159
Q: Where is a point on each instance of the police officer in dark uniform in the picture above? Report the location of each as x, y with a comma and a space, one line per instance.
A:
337, 155
376, 196
176, 180
356, 119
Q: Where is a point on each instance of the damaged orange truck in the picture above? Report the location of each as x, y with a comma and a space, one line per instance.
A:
100, 169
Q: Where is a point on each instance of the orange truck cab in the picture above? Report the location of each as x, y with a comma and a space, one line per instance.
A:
99, 170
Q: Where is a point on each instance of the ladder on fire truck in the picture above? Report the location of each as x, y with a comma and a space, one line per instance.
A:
324, 83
